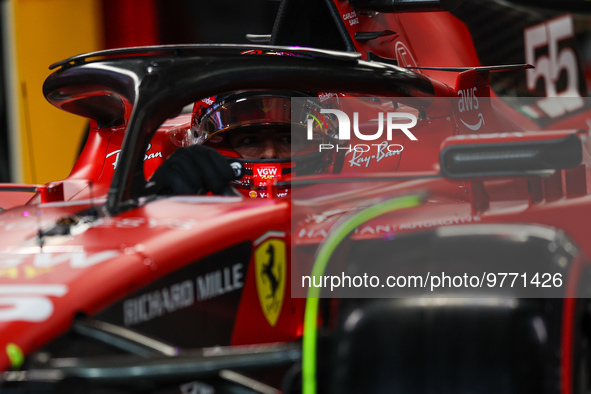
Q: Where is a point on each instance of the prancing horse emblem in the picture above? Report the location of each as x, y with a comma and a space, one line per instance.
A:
268, 272
270, 267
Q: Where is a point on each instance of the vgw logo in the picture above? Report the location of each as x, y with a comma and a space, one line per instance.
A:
345, 127
267, 173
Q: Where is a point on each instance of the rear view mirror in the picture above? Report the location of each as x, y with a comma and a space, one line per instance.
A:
518, 154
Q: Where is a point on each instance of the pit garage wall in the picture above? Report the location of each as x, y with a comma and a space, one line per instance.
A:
43, 140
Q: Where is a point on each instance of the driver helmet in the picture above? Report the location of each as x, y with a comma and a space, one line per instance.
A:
270, 138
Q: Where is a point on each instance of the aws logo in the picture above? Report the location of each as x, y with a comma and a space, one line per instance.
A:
270, 267
468, 99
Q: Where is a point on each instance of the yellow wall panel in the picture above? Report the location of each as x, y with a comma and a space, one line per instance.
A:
47, 31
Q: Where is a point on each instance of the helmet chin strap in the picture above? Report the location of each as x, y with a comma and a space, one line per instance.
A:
262, 161
259, 178
308, 164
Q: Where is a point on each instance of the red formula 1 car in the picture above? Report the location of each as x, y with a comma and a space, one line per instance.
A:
454, 262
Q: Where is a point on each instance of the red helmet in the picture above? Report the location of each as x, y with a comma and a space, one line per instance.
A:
267, 135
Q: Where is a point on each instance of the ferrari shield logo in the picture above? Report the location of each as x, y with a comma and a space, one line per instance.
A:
270, 269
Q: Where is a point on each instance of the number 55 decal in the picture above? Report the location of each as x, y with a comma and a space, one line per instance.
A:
28, 302
551, 61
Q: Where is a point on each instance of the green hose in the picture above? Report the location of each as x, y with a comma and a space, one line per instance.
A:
324, 254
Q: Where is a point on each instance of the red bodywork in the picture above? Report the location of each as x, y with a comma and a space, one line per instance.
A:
46, 281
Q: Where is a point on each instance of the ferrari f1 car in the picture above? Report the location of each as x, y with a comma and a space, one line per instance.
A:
107, 288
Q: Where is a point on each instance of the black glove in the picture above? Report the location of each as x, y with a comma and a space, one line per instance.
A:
195, 169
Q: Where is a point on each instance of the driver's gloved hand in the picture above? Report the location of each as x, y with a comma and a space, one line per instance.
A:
195, 169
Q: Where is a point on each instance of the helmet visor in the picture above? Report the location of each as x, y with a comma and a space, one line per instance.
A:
245, 112
254, 125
